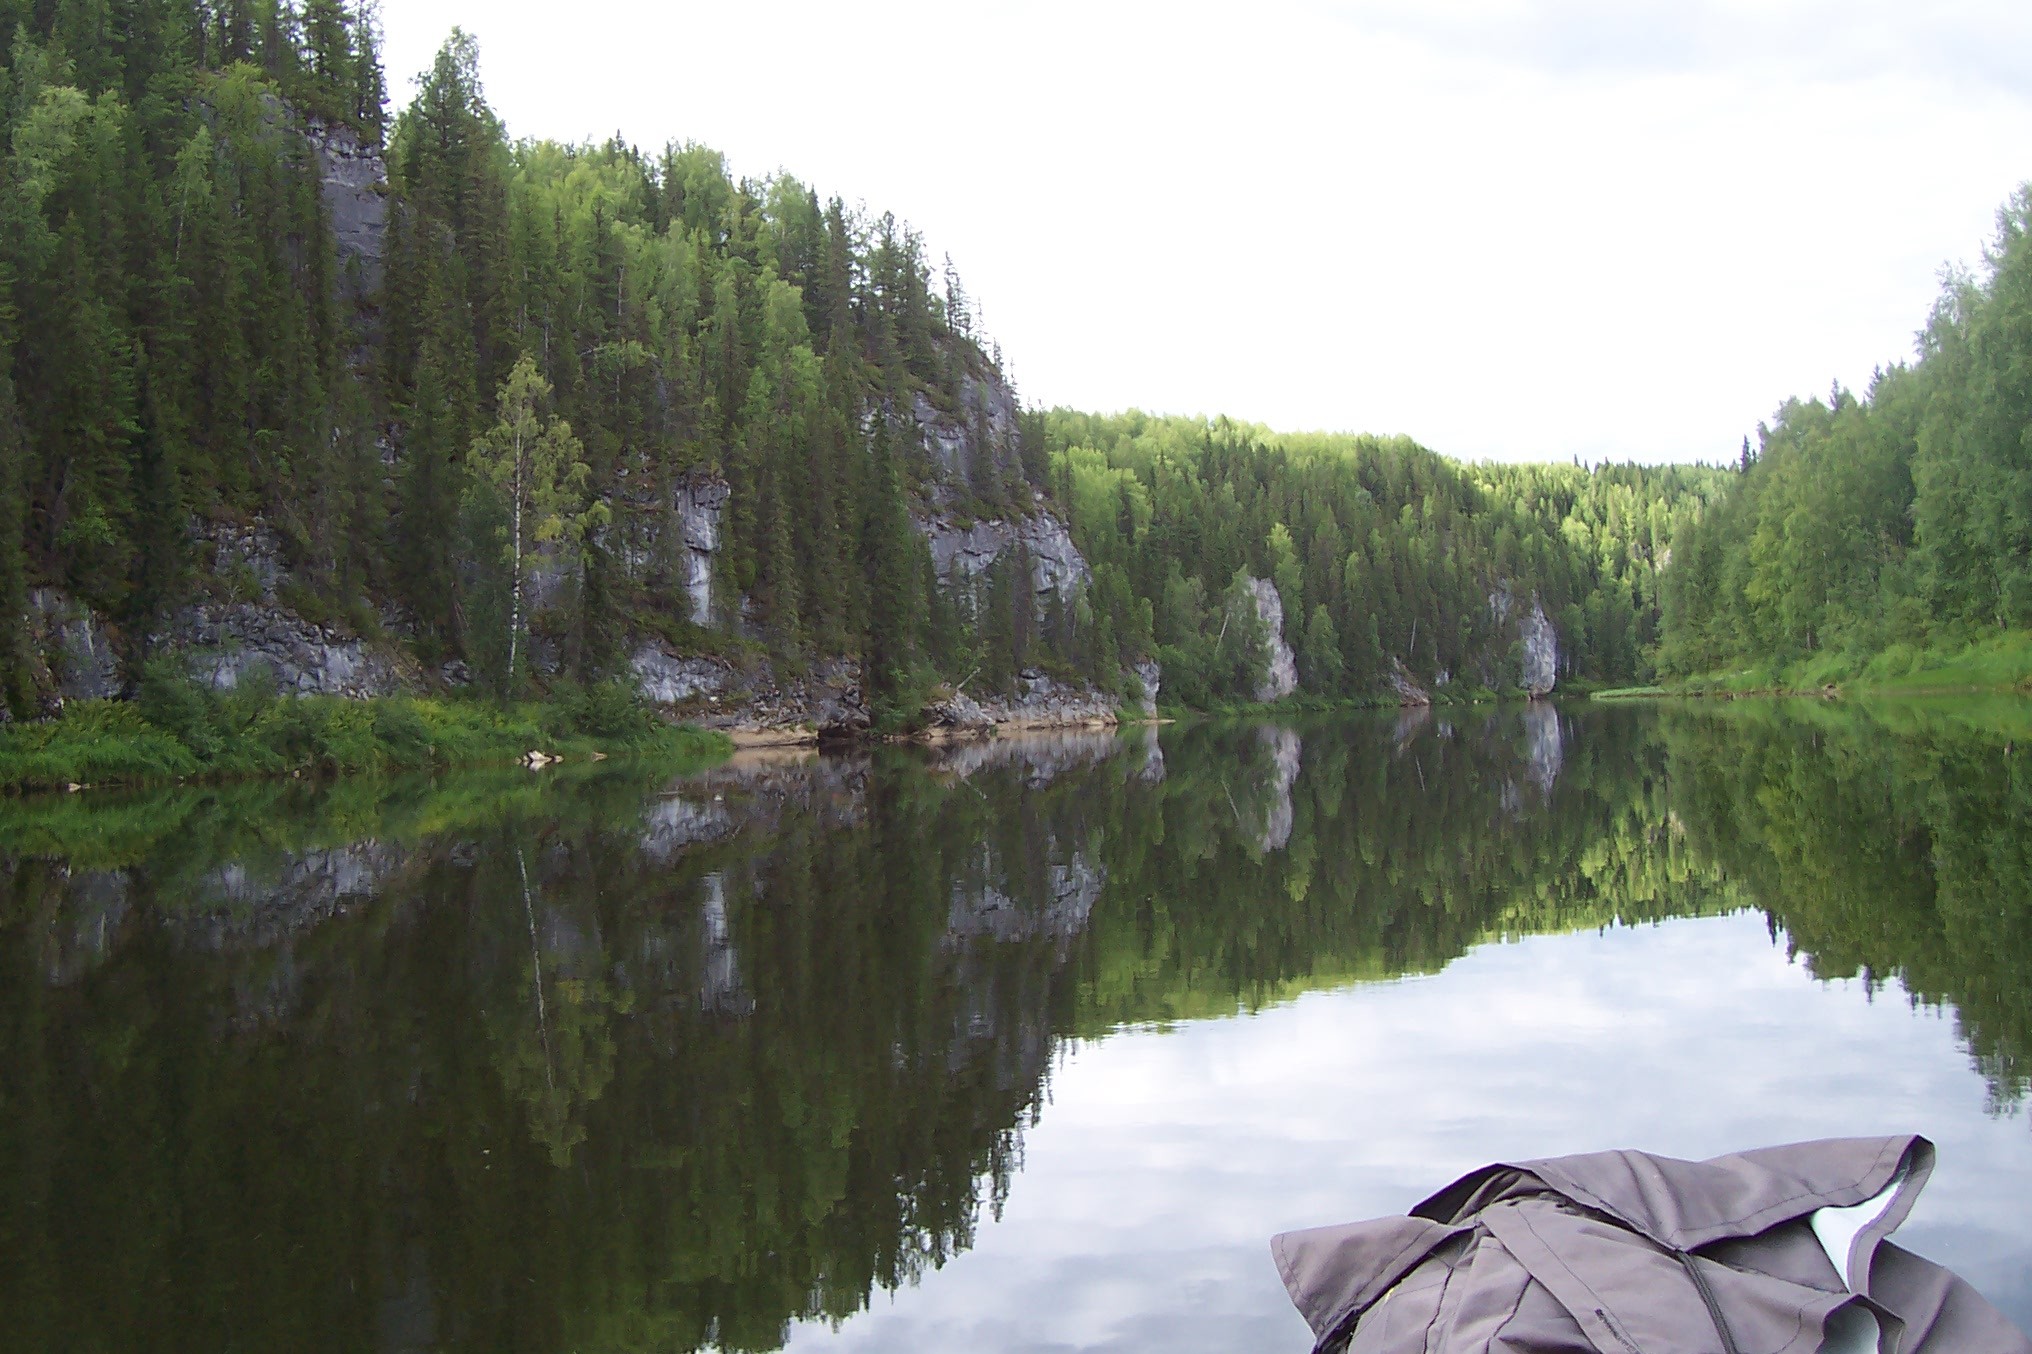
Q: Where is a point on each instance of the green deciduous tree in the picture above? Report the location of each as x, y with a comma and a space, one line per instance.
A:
532, 465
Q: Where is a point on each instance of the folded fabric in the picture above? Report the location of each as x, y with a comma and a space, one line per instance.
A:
1776, 1251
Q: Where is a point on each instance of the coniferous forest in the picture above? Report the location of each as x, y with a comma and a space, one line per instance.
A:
510, 411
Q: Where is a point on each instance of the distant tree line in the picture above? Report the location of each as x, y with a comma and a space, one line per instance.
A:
1385, 556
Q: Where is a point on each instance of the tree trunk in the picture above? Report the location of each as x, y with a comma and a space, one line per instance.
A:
515, 607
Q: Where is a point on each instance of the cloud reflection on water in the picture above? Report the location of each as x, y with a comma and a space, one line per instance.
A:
1166, 1159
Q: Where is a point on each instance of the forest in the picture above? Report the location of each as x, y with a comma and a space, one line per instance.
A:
473, 429
1866, 532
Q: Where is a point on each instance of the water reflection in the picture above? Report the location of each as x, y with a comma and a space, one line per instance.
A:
592, 1062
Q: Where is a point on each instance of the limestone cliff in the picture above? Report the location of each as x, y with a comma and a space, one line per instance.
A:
1280, 671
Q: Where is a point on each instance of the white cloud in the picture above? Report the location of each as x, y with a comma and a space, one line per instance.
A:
1507, 229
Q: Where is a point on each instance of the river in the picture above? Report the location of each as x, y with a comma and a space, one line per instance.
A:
1026, 1045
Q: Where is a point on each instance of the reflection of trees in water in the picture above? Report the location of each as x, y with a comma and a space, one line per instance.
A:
675, 1072
754, 1045
1405, 839
1886, 842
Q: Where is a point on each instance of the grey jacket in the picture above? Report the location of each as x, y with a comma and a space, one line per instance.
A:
1778, 1251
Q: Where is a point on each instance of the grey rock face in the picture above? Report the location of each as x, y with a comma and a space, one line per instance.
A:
1280, 676
1408, 691
667, 680
79, 647
1151, 675
825, 702
1042, 700
963, 554
1537, 641
1540, 643
231, 642
699, 504
353, 182
977, 445
244, 628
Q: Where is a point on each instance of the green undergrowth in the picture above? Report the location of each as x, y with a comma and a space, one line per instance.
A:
179, 731
250, 819
1994, 662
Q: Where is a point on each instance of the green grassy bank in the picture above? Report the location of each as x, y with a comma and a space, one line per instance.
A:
1995, 662
178, 731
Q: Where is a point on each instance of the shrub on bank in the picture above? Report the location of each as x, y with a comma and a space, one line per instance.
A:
178, 730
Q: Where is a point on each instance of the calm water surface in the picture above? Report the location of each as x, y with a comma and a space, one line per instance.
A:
1021, 1046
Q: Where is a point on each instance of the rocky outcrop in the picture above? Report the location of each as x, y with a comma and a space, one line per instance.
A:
75, 645
752, 704
1280, 672
666, 679
1151, 675
244, 627
976, 446
961, 554
699, 504
353, 181
1537, 641
1408, 691
1039, 701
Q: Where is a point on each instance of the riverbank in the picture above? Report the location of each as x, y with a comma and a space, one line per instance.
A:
178, 732
1991, 664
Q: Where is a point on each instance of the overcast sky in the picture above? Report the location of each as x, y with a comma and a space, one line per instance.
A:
1529, 231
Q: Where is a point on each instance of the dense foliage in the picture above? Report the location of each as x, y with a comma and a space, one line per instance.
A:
1889, 523
186, 343
1384, 555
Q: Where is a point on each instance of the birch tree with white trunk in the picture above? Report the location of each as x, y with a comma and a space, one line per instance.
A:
534, 465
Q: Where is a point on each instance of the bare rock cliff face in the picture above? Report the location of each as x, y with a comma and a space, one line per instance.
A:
244, 626
1280, 675
1540, 645
1537, 640
973, 448
77, 652
354, 185
962, 554
700, 503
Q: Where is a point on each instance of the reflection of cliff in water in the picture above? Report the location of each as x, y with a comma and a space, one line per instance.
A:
529, 1063
678, 1064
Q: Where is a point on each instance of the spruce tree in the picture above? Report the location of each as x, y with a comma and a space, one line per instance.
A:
889, 649
17, 687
